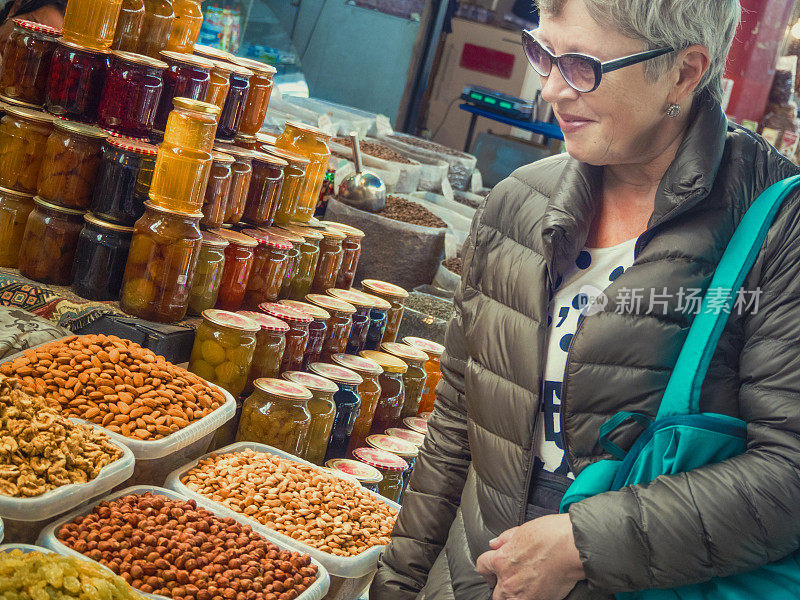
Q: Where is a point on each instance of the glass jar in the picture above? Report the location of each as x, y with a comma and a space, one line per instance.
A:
394, 295
270, 345
387, 412
47, 251
219, 84
348, 405
231, 117
322, 408
390, 466
339, 324
72, 157
276, 414
311, 143
265, 188
292, 262
129, 26
294, 178
269, 268
100, 259
223, 349
406, 435
123, 180
15, 207
361, 319
317, 330
131, 94
186, 76
211, 53
23, 139
367, 476
186, 27
215, 201
433, 370
255, 109
77, 77
330, 260
370, 391
405, 450
351, 252
241, 175
208, 273
239, 257
414, 378
161, 264
156, 27
417, 424
299, 285
91, 23
248, 142
26, 61
296, 337
378, 317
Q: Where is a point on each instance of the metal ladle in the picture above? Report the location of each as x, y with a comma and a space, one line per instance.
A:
362, 190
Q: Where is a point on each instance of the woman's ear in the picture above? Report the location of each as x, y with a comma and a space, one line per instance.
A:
691, 65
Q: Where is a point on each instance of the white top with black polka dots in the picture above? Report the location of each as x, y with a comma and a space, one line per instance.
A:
579, 291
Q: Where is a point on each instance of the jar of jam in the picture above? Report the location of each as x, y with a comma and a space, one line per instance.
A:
131, 94
378, 317
393, 392
23, 139
269, 268
231, 117
405, 450
265, 188
248, 142
351, 252
417, 424
186, 76
390, 466
330, 260
186, 27
77, 78
123, 180
239, 257
100, 259
299, 285
219, 84
311, 143
91, 23
129, 26
296, 337
255, 109
348, 405
370, 391
339, 324
219, 186
26, 61
294, 178
394, 295
208, 273
367, 476
241, 175
223, 349
433, 370
414, 378
72, 157
47, 251
14, 210
270, 345
161, 264
276, 414
211, 53
361, 319
406, 435
322, 408
156, 27
317, 330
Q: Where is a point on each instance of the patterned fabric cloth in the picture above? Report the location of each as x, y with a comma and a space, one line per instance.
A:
20, 330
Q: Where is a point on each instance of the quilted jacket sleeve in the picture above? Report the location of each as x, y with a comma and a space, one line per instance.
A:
736, 515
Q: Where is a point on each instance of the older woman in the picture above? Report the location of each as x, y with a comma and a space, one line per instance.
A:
641, 208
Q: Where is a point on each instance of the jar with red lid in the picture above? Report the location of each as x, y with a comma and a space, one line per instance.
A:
296, 337
15, 207
255, 109
317, 330
123, 180
129, 26
276, 414
393, 391
405, 450
186, 27
417, 424
394, 295
23, 140
433, 369
186, 76
270, 345
26, 61
339, 325
156, 27
351, 252
348, 405
367, 476
77, 77
330, 260
217, 191
241, 175
370, 391
269, 268
219, 84
406, 435
294, 181
390, 466
414, 378
378, 317
299, 285
91, 23
131, 94
208, 273
231, 117
361, 319
100, 259
265, 189
322, 408
239, 256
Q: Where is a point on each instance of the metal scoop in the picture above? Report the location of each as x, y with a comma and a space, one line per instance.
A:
362, 190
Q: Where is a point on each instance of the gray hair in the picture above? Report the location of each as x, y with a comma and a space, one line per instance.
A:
675, 23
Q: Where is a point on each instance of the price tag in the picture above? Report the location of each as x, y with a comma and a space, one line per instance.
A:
476, 182
447, 189
384, 126
325, 123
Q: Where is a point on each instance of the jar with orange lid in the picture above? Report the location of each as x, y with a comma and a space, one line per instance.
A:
393, 391
161, 265
317, 329
378, 317
186, 27
330, 260
186, 76
255, 109
390, 466
223, 349
276, 414
208, 273
72, 157
15, 207
215, 201
351, 252
129, 26
156, 27
47, 251
265, 189
405, 450
348, 405
23, 140
407, 435
269, 268
322, 408
123, 180
241, 175
26, 61
231, 117
339, 325
239, 256
296, 337
294, 181
311, 143
299, 285
370, 391
100, 259
414, 378
361, 319
91, 23
367, 476
270, 345
218, 84
77, 77
394, 295
433, 369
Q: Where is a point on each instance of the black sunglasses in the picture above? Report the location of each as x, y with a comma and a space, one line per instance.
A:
582, 72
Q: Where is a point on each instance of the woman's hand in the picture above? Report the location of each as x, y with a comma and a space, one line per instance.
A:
536, 561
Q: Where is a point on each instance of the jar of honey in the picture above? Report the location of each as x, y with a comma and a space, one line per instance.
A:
433, 370
339, 324
393, 391
294, 179
323, 413
255, 109
100, 259
265, 188
241, 175
317, 329
129, 26
91, 23
23, 140
123, 180
186, 27
26, 61
311, 143
239, 257
296, 337
77, 78
414, 378
276, 414
161, 264
219, 84
186, 76
361, 319
156, 27
394, 295
378, 317
370, 391
351, 252
15, 207
270, 345
390, 466
208, 273
215, 202
231, 116
269, 268
191, 125
299, 286
348, 405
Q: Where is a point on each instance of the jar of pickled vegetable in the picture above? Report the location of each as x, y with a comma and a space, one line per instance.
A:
219, 84
406, 435
91, 23
47, 251
433, 369
361, 319
367, 476
329, 262
322, 408
296, 337
15, 207
265, 188
23, 139
239, 256
77, 77
312, 143
129, 26
394, 295
276, 414
123, 180
270, 345
339, 325
231, 117
294, 178
161, 265
292, 262
269, 268
156, 27
414, 378
417, 424
241, 175
317, 330
100, 259
215, 201
71, 161
186, 27
186, 76
299, 285
405, 450
208, 273
223, 349
348, 405
131, 94
378, 317
390, 466
370, 391
393, 392
351, 252
26, 61
211, 53
255, 109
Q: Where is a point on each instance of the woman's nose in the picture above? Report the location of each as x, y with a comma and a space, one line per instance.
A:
555, 89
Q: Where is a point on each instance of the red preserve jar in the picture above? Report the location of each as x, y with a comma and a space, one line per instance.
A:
131, 94
265, 189
26, 61
239, 257
269, 268
77, 77
231, 116
296, 337
186, 76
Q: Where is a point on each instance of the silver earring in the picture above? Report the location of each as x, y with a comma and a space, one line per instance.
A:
673, 110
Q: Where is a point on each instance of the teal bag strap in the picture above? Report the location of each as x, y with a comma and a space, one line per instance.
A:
614, 422
682, 395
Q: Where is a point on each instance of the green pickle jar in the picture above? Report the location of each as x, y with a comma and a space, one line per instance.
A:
323, 412
299, 284
390, 466
405, 450
414, 378
270, 344
208, 273
367, 476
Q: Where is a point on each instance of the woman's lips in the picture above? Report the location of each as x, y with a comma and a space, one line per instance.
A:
572, 123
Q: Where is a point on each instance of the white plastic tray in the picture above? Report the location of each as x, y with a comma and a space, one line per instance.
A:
25, 548
48, 539
346, 567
